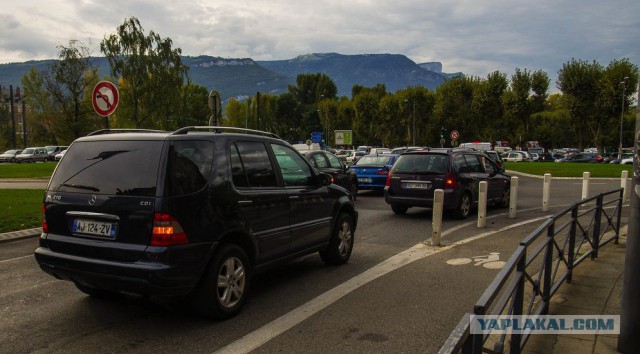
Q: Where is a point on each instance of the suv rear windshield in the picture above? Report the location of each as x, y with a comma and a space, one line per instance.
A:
422, 163
96, 167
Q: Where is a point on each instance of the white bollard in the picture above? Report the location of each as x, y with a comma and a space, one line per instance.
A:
624, 184
513, 198
482, 204
436, 218
585, 185
546, 190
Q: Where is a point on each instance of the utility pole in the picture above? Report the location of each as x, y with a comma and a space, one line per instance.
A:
13, 117
629, 340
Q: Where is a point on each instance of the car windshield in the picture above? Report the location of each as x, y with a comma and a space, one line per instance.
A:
11, 152
28, 151
372, 160
428, 164
50, 148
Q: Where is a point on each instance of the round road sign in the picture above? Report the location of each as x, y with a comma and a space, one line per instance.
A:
105, 98
455, 135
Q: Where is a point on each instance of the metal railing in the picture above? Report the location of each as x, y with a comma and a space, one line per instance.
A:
542, 262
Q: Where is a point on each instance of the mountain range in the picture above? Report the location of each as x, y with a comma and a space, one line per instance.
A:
244, 77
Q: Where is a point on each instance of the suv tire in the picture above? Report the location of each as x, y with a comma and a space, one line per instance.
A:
224, 287
463, 208
341, 243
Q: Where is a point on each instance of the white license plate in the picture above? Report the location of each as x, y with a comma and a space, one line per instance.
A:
94, 228
415, 185
366, 180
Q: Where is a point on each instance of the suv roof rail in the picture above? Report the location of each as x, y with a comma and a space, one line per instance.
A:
124, 130
219, 130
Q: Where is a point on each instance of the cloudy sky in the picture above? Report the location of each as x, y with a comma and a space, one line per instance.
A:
475, 37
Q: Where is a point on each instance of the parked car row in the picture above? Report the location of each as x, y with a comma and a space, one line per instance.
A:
33, 154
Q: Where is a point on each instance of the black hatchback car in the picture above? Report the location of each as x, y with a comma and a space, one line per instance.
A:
193, 213
329, 163
416, 175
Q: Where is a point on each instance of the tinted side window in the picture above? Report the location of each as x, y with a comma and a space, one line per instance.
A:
473, 163
188, 167
320, 161
237, 170
295, 171
488, 166
460, 165
256, 163
334, 161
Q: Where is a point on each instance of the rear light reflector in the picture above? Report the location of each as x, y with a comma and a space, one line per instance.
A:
450, 181
45, 227
167, 231
388, 182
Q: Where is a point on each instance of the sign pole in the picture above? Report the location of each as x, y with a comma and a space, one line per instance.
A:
628, 340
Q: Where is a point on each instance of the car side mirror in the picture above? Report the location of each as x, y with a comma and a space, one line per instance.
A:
325, 179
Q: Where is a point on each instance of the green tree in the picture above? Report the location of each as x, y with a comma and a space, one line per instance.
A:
488, 108
194, 109
150, 74
453, 107
619, 77
579, 81
61, 97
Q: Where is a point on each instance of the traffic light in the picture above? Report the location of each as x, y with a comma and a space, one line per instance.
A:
442, 133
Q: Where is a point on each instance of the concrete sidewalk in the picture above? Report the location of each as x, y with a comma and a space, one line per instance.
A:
596, 289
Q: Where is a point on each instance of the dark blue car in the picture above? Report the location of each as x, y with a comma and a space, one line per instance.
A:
372, 170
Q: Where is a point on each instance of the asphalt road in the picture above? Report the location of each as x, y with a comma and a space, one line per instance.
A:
395, 294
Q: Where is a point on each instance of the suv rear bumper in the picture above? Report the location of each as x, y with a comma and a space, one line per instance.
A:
451, 199
143, 277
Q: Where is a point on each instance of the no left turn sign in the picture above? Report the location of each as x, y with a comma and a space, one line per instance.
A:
105, 98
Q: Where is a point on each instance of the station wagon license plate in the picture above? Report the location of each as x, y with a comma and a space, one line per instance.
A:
415, 185
94, 228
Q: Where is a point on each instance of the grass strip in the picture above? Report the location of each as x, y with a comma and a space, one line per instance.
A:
21, 209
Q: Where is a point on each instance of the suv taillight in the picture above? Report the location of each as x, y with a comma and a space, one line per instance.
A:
167, 231
388, 182
45, 227
450, 181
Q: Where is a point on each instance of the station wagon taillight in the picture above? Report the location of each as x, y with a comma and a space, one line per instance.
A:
167, 231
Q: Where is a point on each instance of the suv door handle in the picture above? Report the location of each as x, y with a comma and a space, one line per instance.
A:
245, 202
294, 197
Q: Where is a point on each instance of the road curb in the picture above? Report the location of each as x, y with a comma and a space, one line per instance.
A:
16, 235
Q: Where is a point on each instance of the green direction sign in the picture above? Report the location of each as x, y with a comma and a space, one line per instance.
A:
343, 137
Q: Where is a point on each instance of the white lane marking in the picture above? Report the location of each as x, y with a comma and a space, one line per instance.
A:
262, 335
16, 259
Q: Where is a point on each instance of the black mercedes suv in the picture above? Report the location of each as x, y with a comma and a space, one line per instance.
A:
193, 213
417, 174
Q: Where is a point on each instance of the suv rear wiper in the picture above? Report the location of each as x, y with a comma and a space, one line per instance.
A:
80, 186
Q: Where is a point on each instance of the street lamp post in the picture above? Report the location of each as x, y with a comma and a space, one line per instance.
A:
624, 89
